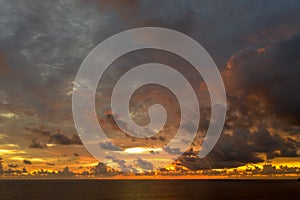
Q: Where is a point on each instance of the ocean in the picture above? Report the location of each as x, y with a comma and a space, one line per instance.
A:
149, 189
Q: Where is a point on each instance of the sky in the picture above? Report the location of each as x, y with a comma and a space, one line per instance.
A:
255, 46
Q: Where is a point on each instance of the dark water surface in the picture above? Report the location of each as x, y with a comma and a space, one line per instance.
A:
149, 189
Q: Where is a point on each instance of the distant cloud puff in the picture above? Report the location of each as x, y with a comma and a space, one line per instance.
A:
144, 164
27, 162
109, 146
173, 151
35, 144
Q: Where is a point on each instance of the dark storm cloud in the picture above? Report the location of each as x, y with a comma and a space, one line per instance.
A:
250, 112
222, 29
263, 141
243, 147
232, 151
44, 51
271, 72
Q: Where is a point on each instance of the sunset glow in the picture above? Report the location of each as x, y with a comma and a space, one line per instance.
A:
254, 48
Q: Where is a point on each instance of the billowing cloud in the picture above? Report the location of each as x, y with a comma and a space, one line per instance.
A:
243, 147
274, 145
271, 72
